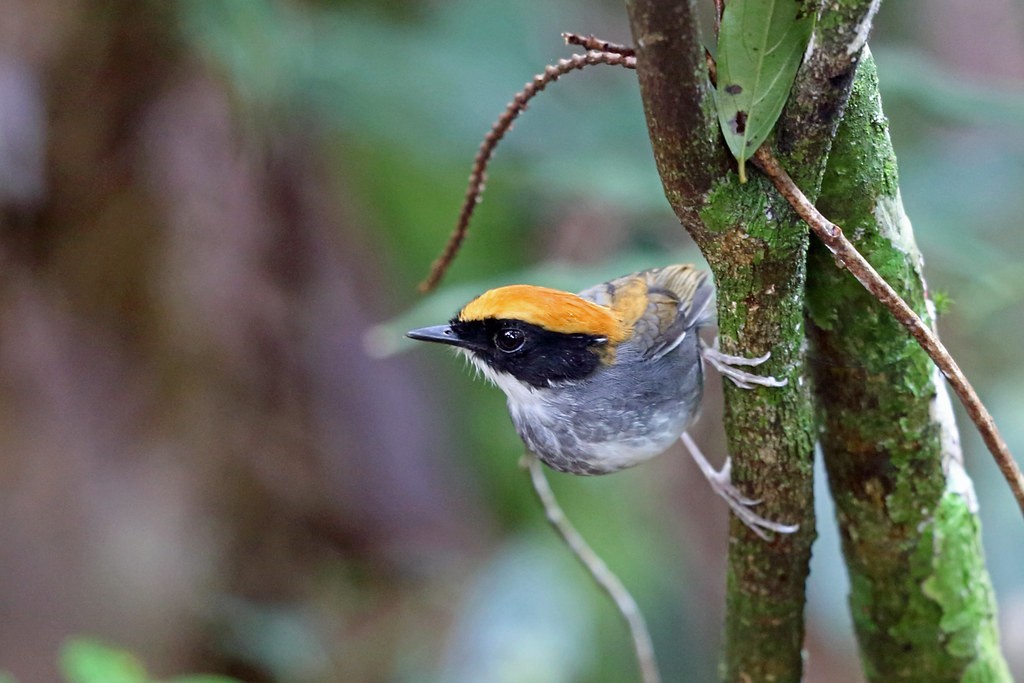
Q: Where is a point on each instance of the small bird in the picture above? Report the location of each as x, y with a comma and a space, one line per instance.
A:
608, 378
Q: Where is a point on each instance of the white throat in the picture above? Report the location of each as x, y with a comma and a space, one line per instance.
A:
520, 395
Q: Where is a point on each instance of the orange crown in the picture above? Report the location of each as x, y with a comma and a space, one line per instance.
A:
551, 309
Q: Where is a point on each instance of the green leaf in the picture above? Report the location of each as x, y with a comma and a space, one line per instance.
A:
88, 661
760, 46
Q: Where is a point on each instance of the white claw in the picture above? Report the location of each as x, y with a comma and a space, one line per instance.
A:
725, 363
721, 483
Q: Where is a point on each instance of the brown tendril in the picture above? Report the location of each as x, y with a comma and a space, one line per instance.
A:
478, 175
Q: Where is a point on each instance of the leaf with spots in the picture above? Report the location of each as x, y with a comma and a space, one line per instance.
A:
760, 46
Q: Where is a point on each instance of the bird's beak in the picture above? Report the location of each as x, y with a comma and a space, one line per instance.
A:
442, 334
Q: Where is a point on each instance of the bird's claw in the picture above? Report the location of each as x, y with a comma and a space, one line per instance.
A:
721, 483
726, 365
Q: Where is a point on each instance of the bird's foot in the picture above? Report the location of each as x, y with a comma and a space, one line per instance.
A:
721, 483
726, 365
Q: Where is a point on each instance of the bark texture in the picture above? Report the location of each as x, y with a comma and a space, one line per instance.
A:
921, 597
905, 506
757, 249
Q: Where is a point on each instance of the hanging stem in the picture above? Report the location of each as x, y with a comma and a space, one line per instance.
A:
600, 572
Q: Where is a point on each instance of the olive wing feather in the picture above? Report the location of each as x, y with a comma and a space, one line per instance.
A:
661, 305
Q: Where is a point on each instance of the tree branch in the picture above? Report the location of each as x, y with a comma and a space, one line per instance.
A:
815, 106
678, 104
592, 42
756, 247
921, 598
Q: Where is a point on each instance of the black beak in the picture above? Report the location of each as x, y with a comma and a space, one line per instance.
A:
442, 334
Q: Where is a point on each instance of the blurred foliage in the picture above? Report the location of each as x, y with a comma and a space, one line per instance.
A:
388, 102
409, 98
90, 661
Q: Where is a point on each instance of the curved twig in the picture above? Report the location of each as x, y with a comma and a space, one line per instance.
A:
483, 156
847, 256
602, 575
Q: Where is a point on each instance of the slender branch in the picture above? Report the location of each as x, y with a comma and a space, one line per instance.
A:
600, 572
592, 42
483, 156
847, 256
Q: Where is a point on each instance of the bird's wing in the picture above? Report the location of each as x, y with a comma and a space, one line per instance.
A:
660, 305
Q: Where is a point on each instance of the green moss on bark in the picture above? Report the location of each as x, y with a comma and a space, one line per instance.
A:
881, 430
757, 250
911, 544
959, 586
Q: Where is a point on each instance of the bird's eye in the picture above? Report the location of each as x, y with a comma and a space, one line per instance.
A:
510, 340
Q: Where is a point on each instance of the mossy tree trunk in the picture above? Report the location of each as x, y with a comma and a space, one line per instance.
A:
921, 598
758, 251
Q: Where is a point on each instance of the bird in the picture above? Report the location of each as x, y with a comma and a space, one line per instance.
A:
607, 378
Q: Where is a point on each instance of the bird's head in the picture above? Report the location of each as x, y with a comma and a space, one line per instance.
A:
536, 335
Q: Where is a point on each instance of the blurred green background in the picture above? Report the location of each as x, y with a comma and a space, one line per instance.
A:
214, 449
